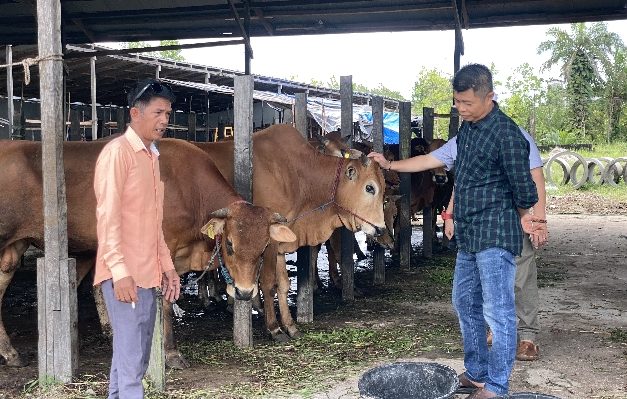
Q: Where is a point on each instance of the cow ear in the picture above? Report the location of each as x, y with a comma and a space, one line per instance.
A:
214, 227
351, 172
281, 233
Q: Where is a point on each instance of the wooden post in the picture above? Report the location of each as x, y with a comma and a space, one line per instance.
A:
191, 126
10, 105
156, 363
427, 212
243, 115
347, 263
378, 254
120, 117
94, 109
453, 125
307, 257
75, 125
56, 293
404, 110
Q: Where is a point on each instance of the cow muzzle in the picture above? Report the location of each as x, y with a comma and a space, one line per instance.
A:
241, 294
440, 179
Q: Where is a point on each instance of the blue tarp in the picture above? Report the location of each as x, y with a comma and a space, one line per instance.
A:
390, 126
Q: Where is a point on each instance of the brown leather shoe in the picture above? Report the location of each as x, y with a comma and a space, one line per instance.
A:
482, 393
527, 351
465, 382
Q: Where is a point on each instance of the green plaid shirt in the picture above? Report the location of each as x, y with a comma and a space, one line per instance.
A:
492, 179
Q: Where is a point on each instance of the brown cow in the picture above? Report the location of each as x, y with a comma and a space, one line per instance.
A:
195, 192
317, 193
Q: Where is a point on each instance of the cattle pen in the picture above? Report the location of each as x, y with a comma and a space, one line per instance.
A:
56, 25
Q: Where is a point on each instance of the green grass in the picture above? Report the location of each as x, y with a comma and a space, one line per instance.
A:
613, 150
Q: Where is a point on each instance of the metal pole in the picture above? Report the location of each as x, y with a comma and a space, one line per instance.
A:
10, 105
94, 109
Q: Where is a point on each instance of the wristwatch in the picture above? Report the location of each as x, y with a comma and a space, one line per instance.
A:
446, 216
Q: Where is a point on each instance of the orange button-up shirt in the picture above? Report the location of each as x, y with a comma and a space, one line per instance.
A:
129, 213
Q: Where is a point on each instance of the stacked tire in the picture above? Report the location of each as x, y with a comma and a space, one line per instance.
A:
579, 170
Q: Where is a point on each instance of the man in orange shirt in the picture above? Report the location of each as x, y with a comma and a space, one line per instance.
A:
132, 258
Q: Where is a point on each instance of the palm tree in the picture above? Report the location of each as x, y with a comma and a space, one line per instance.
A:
585, 58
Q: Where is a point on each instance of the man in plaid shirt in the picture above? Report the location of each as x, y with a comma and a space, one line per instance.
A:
493, 194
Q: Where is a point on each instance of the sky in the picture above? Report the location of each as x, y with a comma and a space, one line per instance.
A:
393, 59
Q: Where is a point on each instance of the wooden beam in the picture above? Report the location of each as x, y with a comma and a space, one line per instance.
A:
243, 184
347, 263
427, 213
56, 292
307, 257
404, 110
378, 254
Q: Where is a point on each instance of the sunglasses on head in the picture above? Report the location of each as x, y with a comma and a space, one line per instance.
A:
156, 88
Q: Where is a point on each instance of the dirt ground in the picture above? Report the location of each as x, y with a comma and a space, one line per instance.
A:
583, 316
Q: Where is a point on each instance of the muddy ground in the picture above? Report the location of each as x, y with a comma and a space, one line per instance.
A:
583, 314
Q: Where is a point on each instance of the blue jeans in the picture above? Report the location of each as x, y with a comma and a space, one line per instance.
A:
483, 289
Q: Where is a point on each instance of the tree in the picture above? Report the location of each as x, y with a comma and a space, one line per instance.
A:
174, 55
433, 89
616, 95
584, 55
526, 90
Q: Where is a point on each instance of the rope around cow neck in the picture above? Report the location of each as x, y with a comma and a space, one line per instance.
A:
332, 201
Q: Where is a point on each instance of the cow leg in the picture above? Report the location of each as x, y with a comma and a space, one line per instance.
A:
7, 351
209, 291
283, 288
268, 282
10, 260
334, 248
173, 357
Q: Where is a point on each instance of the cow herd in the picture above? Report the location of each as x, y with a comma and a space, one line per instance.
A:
301, 195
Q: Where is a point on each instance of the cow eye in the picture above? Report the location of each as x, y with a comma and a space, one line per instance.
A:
229, 247
370, 189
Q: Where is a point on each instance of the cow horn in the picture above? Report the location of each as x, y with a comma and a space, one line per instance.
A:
220, 213
365, 160
278, 218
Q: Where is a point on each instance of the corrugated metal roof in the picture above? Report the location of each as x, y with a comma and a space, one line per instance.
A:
112, 85
122, 20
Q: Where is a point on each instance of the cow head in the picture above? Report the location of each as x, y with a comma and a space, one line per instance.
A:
438, 175
337, 146
244, 231
390, 209
359, 196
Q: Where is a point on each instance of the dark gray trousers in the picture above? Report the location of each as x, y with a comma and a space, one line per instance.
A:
526, 292
132, 339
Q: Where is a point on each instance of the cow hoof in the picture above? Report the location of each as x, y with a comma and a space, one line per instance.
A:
280, 337
15, 361
176, 361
